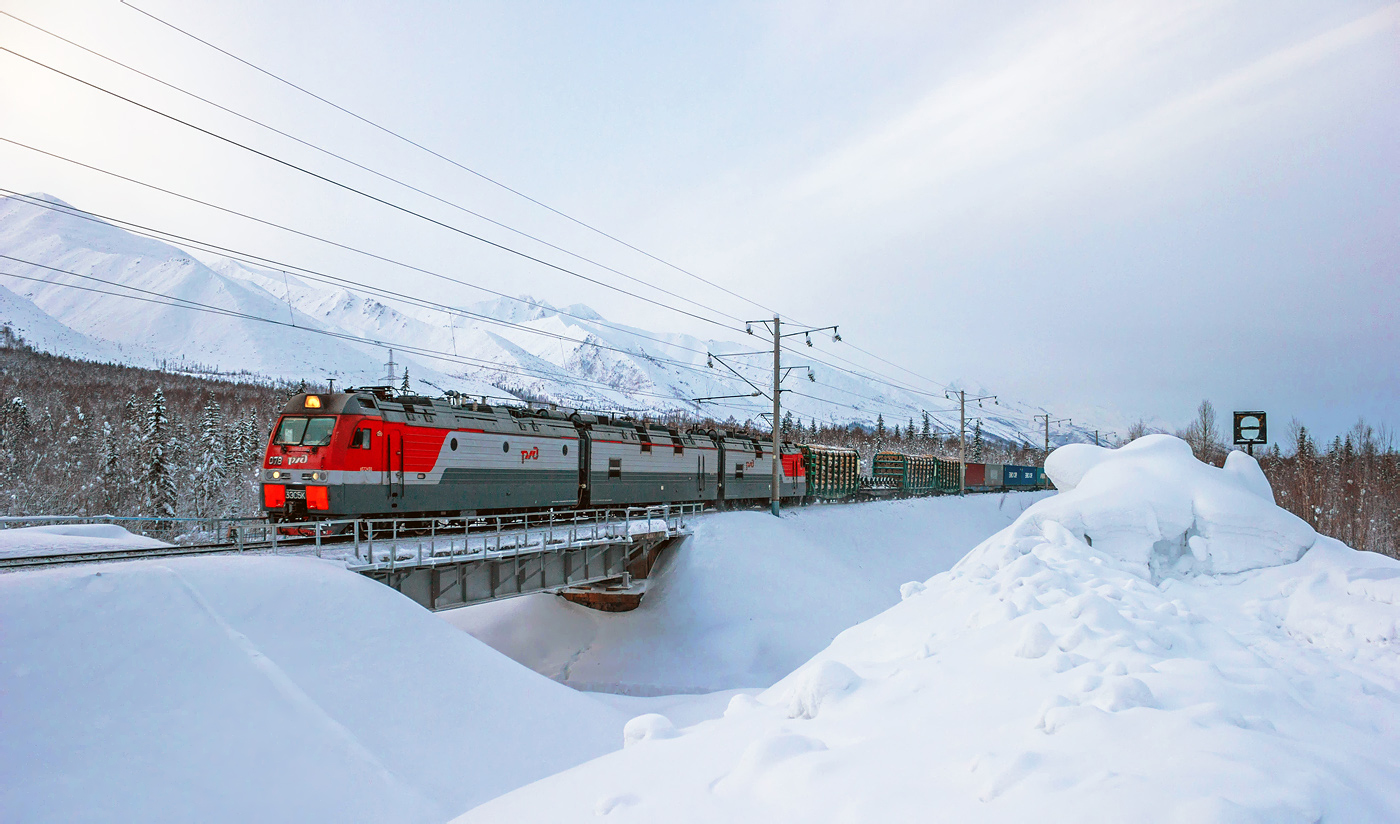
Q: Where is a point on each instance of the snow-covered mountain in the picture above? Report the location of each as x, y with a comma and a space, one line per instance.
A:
77, 285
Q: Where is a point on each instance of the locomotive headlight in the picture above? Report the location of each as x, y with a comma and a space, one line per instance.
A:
276, 474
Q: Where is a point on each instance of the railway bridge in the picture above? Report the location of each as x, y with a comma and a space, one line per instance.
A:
597, 557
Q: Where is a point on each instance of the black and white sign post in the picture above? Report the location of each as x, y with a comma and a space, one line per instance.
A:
1251, 428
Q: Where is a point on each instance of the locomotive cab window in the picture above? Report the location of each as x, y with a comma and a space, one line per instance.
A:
361, 439
299, 431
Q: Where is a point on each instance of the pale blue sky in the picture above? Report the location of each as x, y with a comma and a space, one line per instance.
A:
1126, 204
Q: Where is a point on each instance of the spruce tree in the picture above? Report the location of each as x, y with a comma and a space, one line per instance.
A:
160, 482
879, 431
405, 388
928, 429
211, 470
977, 441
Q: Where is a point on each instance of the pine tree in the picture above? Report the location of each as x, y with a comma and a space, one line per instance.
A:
405, 388
160, 482
879, 431
977, 441
928, 430
787, 424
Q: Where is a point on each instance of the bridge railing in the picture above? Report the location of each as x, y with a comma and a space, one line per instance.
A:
367, 543
390, 542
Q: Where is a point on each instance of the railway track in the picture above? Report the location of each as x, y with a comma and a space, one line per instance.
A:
130, 554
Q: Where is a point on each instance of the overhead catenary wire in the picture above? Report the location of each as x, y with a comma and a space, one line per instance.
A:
441, 156
887, 379
362, 193
365, 168
864, 376
501, 185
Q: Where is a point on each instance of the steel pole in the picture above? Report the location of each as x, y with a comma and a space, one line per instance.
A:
962, 442
777, 409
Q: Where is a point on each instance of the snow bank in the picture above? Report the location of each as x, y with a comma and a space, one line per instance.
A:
746, 599
1046, 679
262, 689
1151, 503
69, 539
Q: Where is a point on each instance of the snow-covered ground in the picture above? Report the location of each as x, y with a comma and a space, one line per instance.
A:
1207, 659
747, 598
262, 689
70, 539
1157, 642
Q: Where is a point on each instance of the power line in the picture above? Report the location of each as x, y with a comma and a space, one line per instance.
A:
365, 168
420, 215
860, 375
347, 187
889, 381
442, 157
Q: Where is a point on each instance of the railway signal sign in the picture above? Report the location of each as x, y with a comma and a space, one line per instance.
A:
1251, 429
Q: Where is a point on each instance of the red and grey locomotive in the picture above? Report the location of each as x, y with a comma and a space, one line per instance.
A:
371, 452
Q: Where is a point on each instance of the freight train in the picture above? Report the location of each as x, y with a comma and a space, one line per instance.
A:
373, 452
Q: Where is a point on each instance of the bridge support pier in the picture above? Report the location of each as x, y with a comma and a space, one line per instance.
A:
622, 594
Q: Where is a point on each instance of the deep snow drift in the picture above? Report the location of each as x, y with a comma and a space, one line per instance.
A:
1188, 666
747, 598
262, 689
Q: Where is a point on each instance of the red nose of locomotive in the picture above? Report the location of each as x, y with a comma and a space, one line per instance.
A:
304, 467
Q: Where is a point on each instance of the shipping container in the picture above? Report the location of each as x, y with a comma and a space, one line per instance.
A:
993, 479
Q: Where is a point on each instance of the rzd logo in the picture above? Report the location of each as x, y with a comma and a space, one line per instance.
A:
529, 454
297, 459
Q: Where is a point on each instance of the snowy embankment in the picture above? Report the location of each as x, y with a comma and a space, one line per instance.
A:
1208, 658
262, 689
70, 539
745, 600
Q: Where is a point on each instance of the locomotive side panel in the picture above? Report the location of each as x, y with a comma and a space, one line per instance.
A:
629, 467
474, 470
746, 475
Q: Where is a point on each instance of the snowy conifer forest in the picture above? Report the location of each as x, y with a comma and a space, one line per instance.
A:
84, 438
